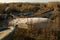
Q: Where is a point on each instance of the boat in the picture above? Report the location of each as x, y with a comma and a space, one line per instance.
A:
42, 22
7, 32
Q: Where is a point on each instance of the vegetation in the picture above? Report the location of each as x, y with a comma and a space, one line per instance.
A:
38, 9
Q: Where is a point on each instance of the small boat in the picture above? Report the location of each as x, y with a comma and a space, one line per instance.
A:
7, 32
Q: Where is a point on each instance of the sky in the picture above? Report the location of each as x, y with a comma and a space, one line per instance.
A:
7, 1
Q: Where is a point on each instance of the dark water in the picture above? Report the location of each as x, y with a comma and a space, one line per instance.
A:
3, 28
46, 15
14, 12
27, 13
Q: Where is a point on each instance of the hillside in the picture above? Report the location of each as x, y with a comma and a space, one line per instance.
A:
49, 10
